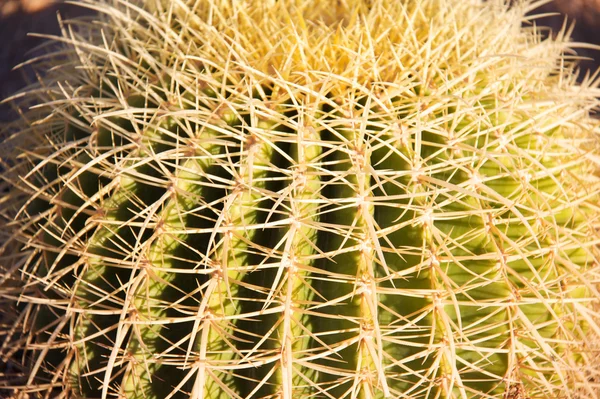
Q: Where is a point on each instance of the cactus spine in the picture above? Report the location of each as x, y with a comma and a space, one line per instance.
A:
236, 199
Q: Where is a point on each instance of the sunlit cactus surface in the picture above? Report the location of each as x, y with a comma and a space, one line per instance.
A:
301, 199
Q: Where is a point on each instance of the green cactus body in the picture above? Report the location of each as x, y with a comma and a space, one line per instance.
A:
288, 199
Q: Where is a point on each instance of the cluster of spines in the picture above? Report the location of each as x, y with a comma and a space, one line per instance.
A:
428, 242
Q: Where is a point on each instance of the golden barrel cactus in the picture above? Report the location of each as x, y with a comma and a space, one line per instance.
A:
302, 199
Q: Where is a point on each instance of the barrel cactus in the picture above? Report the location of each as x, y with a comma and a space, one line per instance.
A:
302, 199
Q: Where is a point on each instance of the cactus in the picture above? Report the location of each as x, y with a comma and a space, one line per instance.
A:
302, 199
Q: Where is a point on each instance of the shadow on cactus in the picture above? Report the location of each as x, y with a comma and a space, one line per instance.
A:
294, 199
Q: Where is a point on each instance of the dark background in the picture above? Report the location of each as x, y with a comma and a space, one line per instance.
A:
19, 17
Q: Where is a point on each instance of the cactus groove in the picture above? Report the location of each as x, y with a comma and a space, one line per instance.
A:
285, 199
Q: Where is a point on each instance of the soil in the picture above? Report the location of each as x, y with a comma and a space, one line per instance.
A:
586, 16
18, 18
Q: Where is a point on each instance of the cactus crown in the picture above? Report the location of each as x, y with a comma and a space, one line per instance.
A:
294, 199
